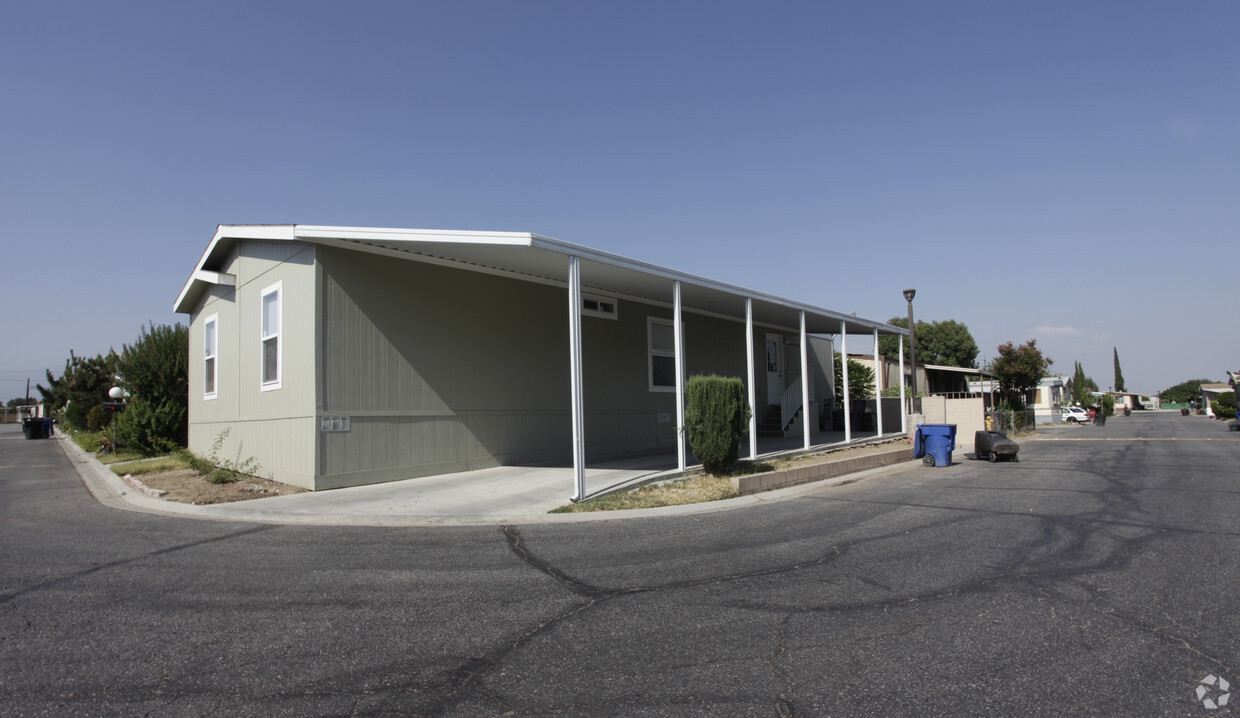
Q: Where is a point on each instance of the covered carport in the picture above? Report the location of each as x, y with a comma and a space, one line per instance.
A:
582, 270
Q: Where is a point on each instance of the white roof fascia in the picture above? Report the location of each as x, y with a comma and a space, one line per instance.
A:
233, 231
379, 234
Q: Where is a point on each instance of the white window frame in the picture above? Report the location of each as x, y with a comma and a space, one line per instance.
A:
651, 353
278, 336
599, 301
211, 341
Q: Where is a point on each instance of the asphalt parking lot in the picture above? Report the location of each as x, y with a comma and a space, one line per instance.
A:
1094, 577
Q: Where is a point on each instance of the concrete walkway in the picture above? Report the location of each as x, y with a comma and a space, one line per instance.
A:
500, 495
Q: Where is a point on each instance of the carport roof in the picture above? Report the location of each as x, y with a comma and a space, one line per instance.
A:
535, 258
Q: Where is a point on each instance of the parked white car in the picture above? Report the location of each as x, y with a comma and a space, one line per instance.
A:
1075, 415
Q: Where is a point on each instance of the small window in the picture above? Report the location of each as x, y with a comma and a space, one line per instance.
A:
210, 335
598, 306
662, 352
271, 351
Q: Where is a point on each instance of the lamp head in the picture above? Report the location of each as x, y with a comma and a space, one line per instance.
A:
116, 392
909, 294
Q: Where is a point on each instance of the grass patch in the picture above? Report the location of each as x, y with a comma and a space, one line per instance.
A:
88, 440
93, 441
686, 491
149, 466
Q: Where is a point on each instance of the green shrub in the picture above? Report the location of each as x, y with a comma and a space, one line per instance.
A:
716, 417
154, 369
1225, 406
97, 419
148, 429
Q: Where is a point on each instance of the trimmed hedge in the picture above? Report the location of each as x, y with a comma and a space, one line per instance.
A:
716, 417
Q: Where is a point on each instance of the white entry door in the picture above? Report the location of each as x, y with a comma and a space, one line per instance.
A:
774, 368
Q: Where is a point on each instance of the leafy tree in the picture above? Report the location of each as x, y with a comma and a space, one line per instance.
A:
82, 386
1019, 370
155, 372
1119, 374
860, 380
27, 401
945, 343
1184, 392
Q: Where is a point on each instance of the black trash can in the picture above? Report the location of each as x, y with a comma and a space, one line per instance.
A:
1183, 412
32, 428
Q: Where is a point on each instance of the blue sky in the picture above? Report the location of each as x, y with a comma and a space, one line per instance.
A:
1060, 171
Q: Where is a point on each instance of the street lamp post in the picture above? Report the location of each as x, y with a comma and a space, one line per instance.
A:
117, 394
912, 347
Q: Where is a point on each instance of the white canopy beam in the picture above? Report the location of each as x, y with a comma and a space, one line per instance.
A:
679, 337
844, 380
574, 333
903, 401
878, 388
753, 397
805, 380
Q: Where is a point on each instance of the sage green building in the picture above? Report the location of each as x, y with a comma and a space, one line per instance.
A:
339, 356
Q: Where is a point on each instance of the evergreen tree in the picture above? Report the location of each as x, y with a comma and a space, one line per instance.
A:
81, 389
860, 381
1119, 374
155, 372
1080, 389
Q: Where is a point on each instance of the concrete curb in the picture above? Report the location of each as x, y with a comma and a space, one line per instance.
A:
756, 483
137, 484
110, 490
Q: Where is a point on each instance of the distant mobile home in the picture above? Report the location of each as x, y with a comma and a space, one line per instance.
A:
339, 356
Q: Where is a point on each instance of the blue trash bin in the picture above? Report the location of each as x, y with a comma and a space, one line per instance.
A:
934, 444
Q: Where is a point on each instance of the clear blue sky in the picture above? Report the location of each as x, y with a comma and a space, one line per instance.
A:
1065, 171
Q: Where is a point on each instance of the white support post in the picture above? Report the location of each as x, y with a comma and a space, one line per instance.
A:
903, 402
805, 380
574, 333
753, 396
678, 334
878, 388
844, 374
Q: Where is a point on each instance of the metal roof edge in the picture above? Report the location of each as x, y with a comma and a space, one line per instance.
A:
519, 239
636, 265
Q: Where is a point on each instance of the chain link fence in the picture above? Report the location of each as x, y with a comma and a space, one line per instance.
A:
1012, 423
